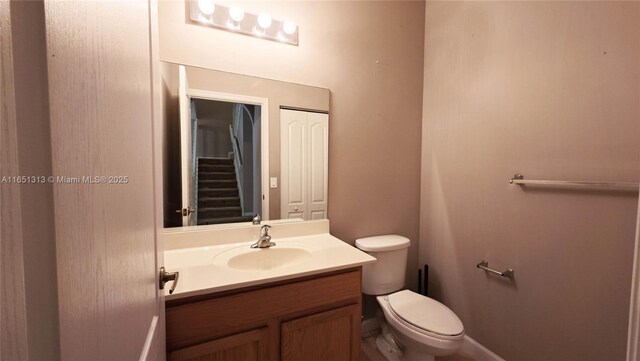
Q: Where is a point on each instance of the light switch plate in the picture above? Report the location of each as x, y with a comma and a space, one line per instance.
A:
273, 183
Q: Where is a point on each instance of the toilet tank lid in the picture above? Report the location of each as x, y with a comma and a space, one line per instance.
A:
389, 242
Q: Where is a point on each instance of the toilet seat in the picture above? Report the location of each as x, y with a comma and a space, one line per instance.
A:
416, 340
425, 315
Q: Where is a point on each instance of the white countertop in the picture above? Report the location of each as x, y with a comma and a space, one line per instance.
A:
200, 275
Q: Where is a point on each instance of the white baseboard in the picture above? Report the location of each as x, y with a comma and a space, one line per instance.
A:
471, 348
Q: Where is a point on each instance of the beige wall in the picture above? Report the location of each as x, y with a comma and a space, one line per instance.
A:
370, 55
550, 90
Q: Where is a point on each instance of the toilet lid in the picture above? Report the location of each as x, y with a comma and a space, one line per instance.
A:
425, 313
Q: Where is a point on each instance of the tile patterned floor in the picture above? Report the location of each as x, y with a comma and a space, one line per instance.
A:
370, 353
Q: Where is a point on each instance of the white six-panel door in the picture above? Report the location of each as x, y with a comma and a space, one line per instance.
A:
304, 138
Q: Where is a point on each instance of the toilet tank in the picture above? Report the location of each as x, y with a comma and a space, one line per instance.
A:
387, 274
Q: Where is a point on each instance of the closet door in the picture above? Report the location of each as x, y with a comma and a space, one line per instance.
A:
304, 154
317, 154
293, 164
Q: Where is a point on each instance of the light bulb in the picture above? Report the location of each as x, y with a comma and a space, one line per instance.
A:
236, 14
264, 20
289, 27
206, 7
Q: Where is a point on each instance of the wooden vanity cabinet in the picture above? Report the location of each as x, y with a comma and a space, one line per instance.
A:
304, 319
249, 346
330, 335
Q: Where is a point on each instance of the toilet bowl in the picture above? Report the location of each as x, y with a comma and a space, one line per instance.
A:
422, 336
423, 327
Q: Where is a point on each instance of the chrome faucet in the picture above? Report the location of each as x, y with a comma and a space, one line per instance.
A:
256, 219
265, 239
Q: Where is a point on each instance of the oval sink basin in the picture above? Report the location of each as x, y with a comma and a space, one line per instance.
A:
259, 259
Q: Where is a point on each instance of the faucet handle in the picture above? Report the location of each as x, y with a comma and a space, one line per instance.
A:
265, 239
256, 219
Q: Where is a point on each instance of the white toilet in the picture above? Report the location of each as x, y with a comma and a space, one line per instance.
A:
422, 327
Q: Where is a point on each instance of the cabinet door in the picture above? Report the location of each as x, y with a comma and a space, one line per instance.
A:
247, 346
333, 335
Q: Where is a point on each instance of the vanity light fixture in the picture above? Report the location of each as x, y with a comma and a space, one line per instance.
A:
234, 18
289, 27
206, 7
236, 14
264, 21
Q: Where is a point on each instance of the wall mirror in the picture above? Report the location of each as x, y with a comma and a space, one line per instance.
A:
236, 146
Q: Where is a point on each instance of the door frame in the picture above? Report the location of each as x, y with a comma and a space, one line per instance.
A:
264, 133
186, 157
155, 345
633, 334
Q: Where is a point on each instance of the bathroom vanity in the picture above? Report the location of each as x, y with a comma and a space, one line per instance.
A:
311, 318
301, 301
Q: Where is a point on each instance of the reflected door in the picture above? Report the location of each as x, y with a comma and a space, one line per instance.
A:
304, 163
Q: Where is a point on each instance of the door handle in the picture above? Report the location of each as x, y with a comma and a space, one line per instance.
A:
185, 211
167, 277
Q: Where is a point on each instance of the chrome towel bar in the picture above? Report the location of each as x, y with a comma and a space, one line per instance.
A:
519, 179
485, 266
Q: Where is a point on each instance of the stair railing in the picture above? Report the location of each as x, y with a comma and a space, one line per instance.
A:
239, 111
238, 164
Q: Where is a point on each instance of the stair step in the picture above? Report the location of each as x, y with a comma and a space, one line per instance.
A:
219, 209
217, 212
207, 202
216, 168
218, 192
215, 161
213, 220
216, 176
217, 184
